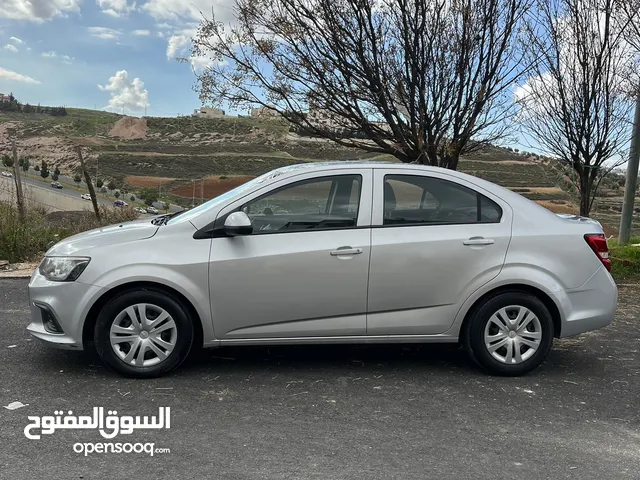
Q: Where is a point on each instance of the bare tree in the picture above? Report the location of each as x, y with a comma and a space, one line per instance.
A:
87, 179
22, 211
423, 80
575, 106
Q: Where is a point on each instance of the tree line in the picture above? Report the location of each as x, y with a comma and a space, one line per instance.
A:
13, 105
430, 81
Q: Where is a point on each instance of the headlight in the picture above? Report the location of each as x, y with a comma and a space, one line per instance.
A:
63, 269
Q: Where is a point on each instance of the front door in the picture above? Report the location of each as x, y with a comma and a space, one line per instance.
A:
435, 240
303, 272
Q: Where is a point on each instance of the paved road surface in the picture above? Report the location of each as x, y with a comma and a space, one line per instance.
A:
395, 412
52, 194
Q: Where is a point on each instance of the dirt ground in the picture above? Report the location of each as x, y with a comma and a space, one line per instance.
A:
143, 182
211, 187
129, 128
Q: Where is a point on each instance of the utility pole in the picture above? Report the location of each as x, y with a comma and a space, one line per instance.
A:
193, 197
632, 178
18, 181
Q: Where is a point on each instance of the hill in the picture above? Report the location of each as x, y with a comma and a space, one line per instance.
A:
191, 158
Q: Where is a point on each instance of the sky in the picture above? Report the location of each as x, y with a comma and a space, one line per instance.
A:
103, 54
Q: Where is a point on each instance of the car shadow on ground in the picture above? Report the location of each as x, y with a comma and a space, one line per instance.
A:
336, 359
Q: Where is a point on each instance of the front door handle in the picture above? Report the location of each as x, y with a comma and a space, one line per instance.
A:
345, 251
479, 241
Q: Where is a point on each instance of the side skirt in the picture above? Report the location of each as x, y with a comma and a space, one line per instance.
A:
441, 338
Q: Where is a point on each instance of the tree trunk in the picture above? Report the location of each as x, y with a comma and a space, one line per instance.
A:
585, 192
87, 179
453, 162
18, 181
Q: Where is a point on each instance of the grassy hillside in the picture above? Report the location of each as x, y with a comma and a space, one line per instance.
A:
178, 152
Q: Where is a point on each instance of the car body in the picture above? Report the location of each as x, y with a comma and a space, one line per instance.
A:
140, 210
6, 174
152, 210
120, 203
338, 252
56, 185
85, 196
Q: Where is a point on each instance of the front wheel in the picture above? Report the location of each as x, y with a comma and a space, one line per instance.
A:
143, 333
510, 334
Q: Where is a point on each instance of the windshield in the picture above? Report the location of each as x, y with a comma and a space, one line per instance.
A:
194, 212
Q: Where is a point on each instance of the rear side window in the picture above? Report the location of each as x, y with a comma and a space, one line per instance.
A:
417, 199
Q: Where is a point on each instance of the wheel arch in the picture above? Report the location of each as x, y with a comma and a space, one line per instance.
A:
515, 287
92, 314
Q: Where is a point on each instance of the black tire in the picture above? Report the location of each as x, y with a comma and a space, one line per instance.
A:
473, 337
179, 314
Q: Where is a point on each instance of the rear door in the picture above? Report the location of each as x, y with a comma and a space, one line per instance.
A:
435, 239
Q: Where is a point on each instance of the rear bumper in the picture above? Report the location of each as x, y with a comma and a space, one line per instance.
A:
589, 307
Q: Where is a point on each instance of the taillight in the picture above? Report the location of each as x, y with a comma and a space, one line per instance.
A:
598, 244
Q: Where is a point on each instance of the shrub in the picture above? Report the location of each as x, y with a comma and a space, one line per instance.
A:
28, 240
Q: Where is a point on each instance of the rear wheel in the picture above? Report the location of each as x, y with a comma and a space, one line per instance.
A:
143, 334
510, 334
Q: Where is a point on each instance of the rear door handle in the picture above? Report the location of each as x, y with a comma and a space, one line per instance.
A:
345, 251
479, 241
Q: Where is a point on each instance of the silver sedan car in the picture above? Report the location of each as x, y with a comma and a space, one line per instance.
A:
343, 252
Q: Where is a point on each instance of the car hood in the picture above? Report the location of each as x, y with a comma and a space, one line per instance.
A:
112, 234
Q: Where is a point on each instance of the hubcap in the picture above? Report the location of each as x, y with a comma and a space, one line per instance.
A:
513, 334
143, 335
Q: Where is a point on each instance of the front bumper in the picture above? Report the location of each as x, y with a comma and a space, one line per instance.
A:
67, 303
589, 307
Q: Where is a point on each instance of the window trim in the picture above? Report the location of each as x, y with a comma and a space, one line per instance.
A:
218, 228
479, 197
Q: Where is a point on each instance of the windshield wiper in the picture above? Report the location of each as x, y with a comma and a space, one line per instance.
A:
163, 219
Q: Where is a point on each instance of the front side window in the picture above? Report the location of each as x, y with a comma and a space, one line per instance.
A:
416, 199
323, 203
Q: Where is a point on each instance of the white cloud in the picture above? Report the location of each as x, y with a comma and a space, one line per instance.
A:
16, 77
16, 40
37, 10
178, 45
11, 48
126, 93
181, 9
141, 33
65, 58
104, 33
116, 8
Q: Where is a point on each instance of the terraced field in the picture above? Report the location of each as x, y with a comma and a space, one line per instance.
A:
193, 157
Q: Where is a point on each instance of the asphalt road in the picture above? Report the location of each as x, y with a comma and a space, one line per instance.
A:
66, 192
390, 412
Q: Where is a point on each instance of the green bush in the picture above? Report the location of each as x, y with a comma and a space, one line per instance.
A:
29, 240
625, 260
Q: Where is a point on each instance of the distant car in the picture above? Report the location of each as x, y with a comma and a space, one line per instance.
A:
56, 185
152, 210
6, 174
85, 196
120, 203
140, 210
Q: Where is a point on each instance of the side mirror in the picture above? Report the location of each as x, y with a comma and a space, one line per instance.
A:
238, 223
